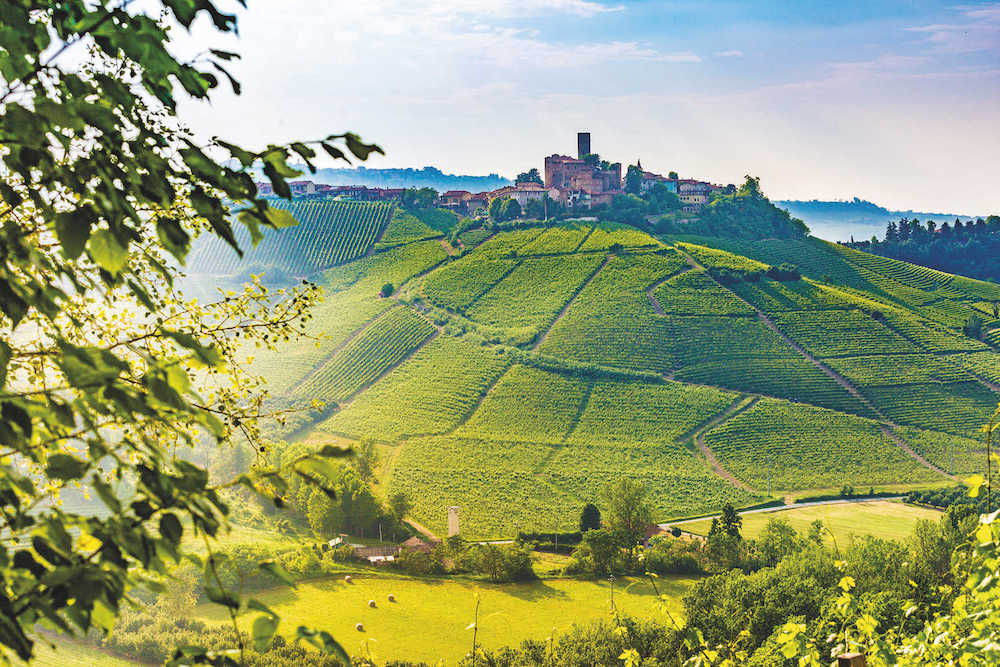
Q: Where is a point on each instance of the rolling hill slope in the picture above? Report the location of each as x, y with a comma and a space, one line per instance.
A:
515, 379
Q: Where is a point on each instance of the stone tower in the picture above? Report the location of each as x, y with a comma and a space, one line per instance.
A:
452, 521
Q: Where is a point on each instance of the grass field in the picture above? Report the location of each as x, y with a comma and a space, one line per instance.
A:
891, 520
428, 622
53, 651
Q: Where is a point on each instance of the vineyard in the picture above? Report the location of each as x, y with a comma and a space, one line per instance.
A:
381, 346
805, 447
329, 233
517, 378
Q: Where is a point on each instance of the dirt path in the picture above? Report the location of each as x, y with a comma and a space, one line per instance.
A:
740, 405
420, 529
583, 286
886, 426
653, 301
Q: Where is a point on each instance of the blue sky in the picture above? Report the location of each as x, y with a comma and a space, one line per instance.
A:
897, 102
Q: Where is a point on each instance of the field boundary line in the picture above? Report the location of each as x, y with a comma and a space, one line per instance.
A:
653, 301
886, 425
517, 264
992, 386
479, 401
572, 299
741, 404
584, 239
378, 237
337, 349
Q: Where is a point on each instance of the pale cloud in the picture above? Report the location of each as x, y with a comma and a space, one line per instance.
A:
974, 30
732, 53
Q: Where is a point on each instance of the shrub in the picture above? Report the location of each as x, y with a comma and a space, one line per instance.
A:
386, 290
784, 272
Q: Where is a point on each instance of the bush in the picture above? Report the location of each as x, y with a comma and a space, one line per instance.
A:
386, 290
413, 561
501, 563
784, 272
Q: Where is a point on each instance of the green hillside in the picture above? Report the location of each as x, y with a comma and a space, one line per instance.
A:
329, 233
516, 378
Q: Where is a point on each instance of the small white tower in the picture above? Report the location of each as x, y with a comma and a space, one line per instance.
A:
452, 521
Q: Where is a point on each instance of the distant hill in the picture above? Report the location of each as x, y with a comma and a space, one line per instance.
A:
839, 220
516, 376
426, 177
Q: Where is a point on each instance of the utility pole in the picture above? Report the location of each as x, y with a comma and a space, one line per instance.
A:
612, 580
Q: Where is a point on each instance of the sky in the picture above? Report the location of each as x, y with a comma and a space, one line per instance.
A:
894, 102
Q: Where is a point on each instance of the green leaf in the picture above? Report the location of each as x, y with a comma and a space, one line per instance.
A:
107, 252
360, 149
65, 467
73, 229
280, 218
86, 367
277, 571
219, 596
264, 628
170, 528
324, 641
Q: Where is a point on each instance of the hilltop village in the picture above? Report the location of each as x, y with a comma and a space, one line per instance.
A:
578, 183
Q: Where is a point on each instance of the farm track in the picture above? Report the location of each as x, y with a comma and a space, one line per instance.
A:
741, 404
886, 426
584, 239
653, 301
559, 316
475, 406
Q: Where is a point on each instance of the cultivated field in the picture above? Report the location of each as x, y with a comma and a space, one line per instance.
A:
890, 520
429, 620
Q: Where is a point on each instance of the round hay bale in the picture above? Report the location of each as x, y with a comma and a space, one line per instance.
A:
359, 627
371, 603
347, 578
392, 598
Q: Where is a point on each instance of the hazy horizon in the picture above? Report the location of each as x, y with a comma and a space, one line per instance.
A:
892, 102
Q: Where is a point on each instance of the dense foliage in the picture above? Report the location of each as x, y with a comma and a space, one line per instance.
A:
969, 249
103, 365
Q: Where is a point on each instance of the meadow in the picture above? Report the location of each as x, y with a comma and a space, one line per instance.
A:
430, 618
885, 519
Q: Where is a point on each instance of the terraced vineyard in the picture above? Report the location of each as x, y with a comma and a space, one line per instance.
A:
518, 378
329, 233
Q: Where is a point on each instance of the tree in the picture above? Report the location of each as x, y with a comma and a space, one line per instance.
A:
593, 159
419, 197
495, 209
673, 175
366, 459
590, 518
974, 327
400, 505
387, 290
510, 209
102, 360
730, 522
633, 180
604, 548
628, 511
530, 176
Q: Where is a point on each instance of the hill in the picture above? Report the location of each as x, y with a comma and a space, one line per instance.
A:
857, 218
514, 377
425, 177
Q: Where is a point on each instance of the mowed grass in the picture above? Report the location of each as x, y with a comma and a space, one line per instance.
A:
429, 620
887, 519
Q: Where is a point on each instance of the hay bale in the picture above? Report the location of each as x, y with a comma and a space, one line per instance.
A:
359, 627
347, 578
371, 603
392, 598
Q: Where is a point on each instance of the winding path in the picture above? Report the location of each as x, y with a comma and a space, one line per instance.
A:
886, 426
741, 404
653, 301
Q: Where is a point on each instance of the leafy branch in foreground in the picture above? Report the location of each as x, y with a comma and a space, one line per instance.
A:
108, 374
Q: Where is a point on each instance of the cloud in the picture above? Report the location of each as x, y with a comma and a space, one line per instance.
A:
732, 53
974, 30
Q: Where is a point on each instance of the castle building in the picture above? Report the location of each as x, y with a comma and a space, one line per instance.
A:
580, 183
